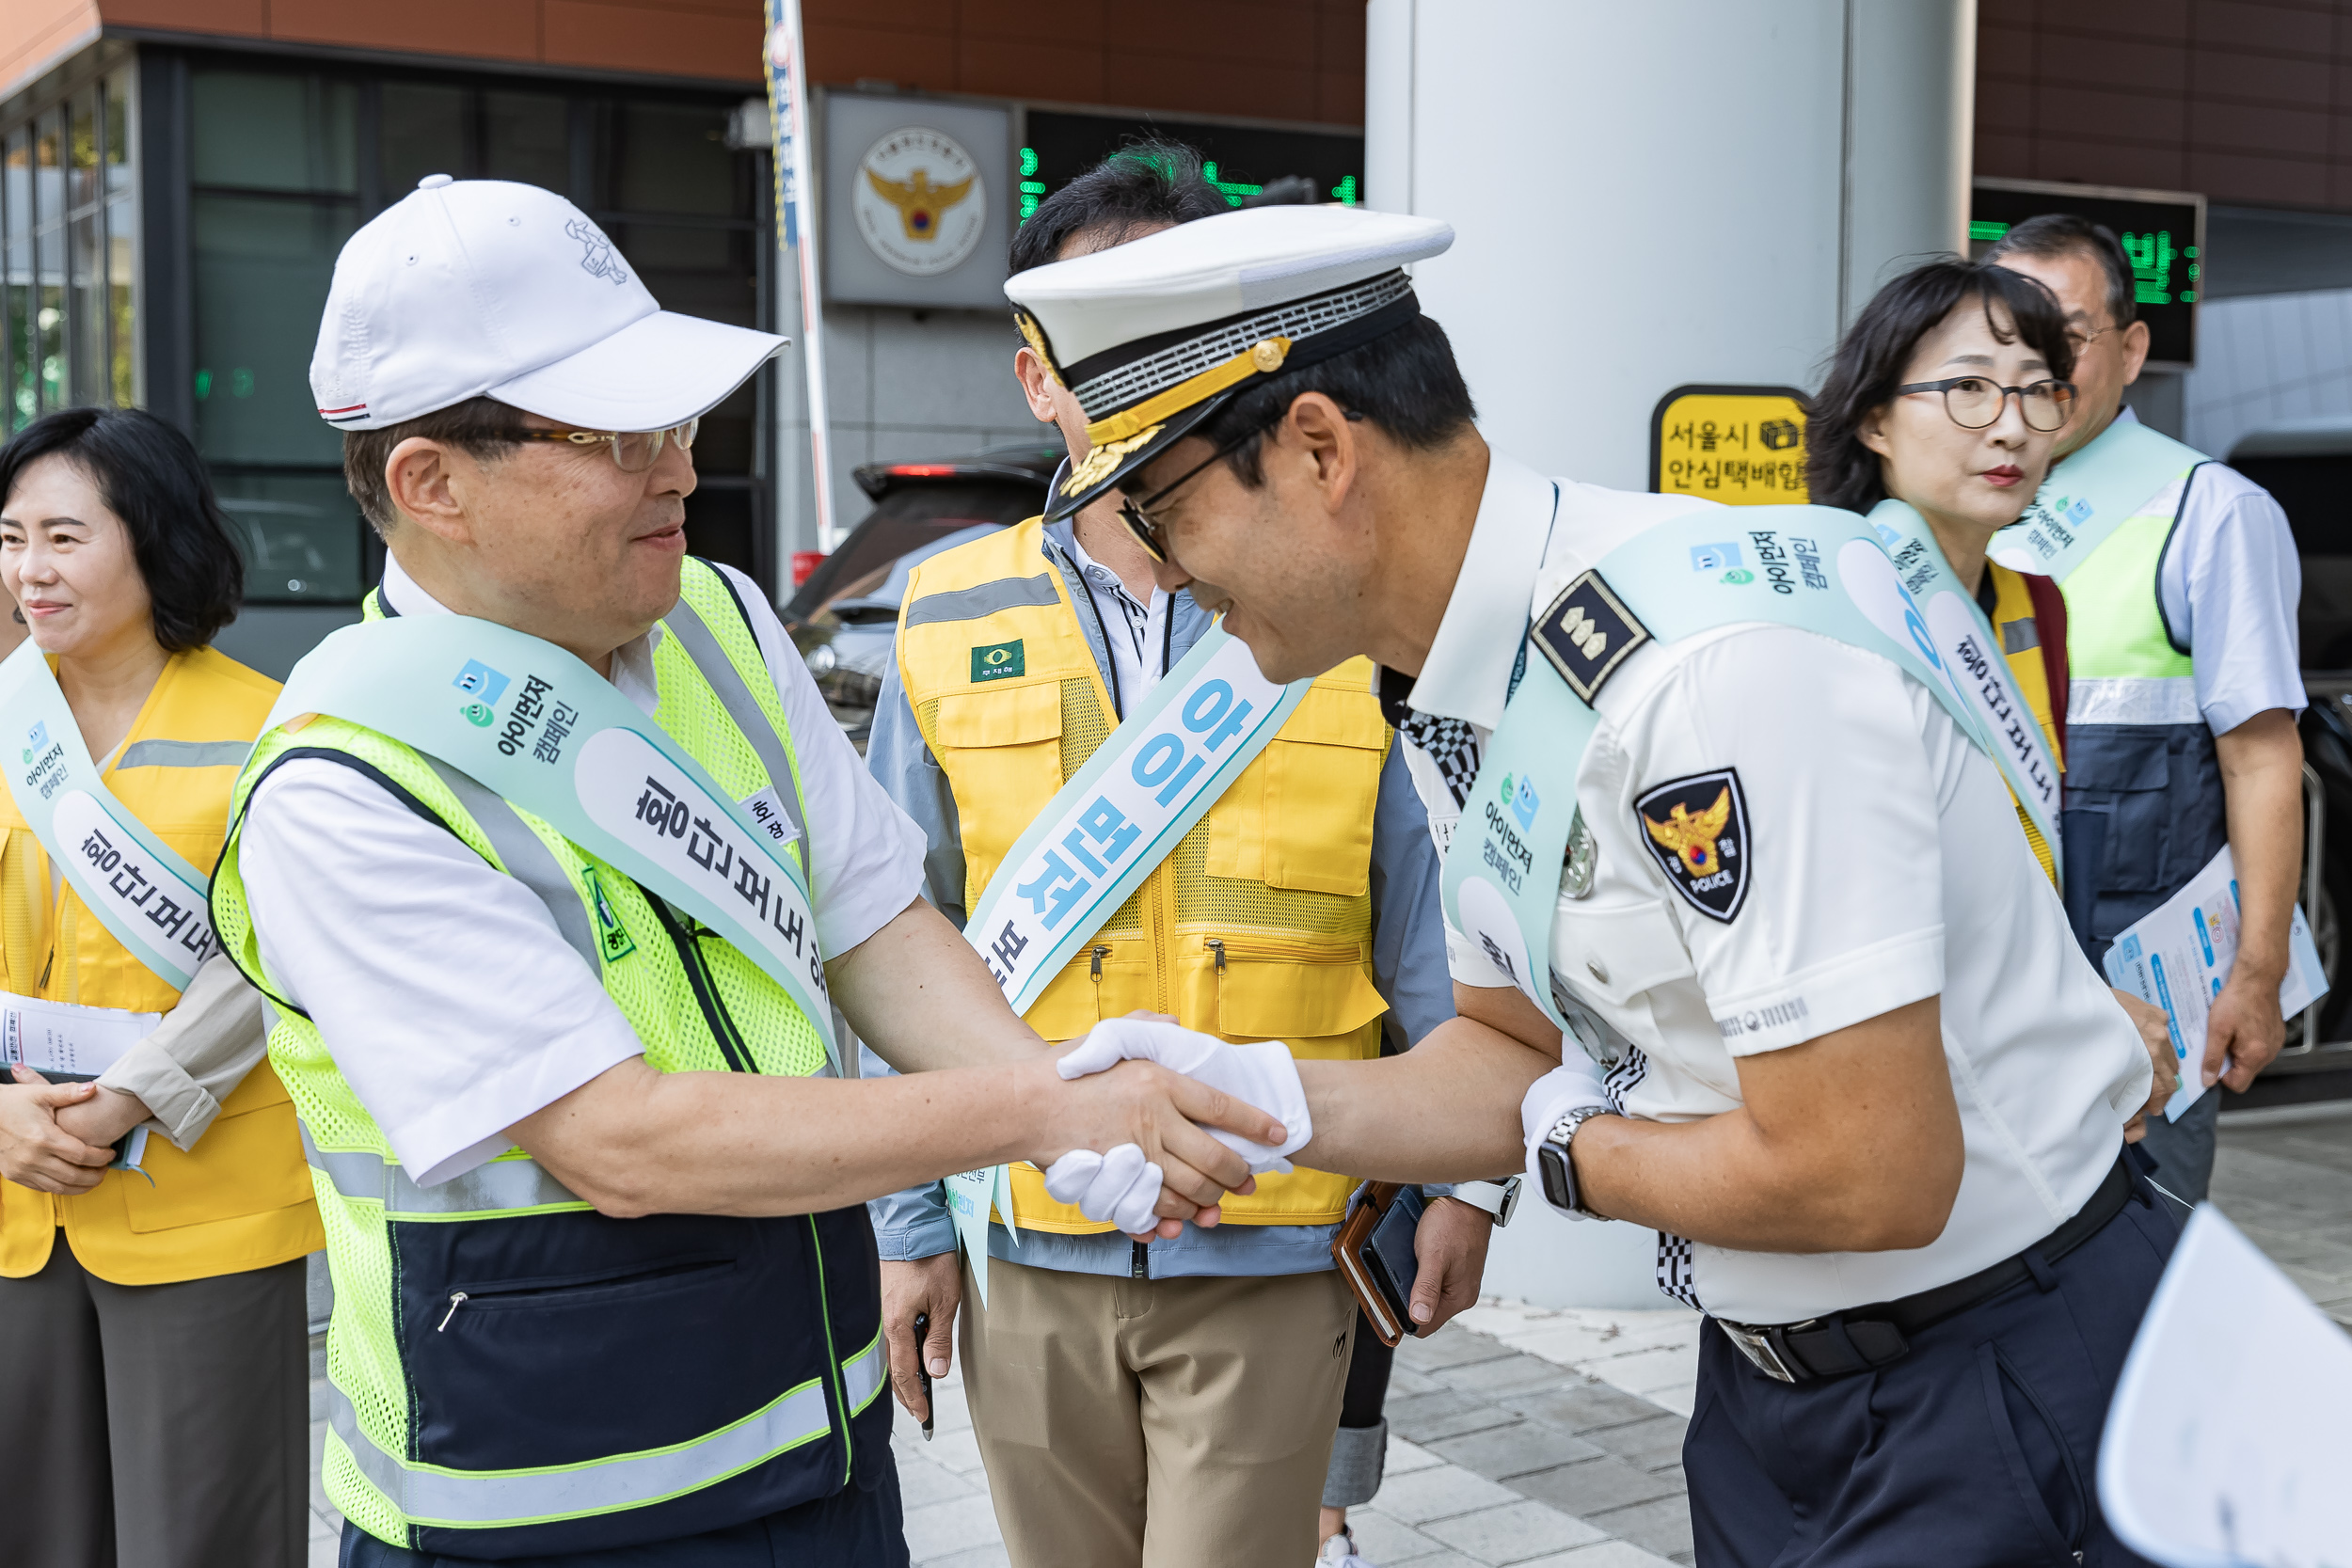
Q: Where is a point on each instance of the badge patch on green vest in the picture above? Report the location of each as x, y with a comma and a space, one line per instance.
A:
1698, 831
998, 661
611, 936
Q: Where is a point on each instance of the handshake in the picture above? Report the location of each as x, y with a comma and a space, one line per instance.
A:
1127, 1187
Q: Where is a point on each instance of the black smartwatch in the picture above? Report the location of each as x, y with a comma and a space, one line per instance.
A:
1553, 1164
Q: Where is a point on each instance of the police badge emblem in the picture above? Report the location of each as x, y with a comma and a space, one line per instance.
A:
1697, 829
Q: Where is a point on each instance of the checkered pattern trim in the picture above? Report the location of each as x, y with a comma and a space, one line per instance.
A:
1452, 744
1620, 1080
1138, 379
1675, 1275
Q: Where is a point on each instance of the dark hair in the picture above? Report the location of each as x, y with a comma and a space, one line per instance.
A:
1405, 382
1877, 348
150, 477
480, 427
1144, 186
2056, 234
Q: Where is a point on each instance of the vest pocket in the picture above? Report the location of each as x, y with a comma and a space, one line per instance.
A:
1001, 751
1299, 992
1301, 817
246, 1164
2127, 768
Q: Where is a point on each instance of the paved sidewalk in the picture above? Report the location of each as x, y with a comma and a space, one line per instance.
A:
1552, 1439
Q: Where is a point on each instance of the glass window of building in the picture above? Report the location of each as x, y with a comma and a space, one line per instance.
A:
68, 251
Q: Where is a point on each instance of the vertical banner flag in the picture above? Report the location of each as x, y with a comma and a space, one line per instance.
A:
796, 229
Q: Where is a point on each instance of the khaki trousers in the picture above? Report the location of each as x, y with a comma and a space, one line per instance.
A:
1168, 1423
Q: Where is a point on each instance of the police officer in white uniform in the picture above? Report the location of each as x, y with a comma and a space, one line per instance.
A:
1825, 1031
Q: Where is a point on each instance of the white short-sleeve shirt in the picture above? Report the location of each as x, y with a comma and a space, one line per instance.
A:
1881, 862
451, 1004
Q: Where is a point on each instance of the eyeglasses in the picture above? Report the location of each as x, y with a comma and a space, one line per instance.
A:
1975, 402
2082, 339
633, 450
1136, 514
1138, 517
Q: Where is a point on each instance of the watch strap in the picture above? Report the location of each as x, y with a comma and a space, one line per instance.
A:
1498, 1198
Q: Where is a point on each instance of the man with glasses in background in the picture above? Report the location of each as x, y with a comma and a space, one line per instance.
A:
2181, 582
1172, 1399
555, 870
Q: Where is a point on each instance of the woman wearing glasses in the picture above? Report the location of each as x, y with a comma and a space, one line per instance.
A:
1938, 420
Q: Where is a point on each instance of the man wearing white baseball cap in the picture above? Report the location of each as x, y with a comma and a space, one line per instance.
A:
555, 870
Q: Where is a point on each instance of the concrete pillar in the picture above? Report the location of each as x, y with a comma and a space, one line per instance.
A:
1645, 195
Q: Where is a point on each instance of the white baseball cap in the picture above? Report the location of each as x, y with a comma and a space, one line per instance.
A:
487, 288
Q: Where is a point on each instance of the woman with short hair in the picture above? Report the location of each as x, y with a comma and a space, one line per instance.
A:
155, 1207
1938, 420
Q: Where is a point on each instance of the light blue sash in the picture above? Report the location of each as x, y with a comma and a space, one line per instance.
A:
1971, 652
2088, 496
139, 888
1114, 821
538, 728
1817, 569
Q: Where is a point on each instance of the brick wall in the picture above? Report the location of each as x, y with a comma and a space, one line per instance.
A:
2248, 103
1271, 60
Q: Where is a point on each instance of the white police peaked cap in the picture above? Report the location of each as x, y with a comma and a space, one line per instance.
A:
1156, 336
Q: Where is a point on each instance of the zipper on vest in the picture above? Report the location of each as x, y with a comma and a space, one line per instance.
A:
722, 1030
1217, 945
1138, 1258
456, 1300
1095, 972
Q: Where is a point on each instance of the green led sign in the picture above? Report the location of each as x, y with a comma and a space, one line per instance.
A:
2160, 233
1240, 161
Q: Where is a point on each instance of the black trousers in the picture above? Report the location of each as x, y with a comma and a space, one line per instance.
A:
1978, 1450
158, 1425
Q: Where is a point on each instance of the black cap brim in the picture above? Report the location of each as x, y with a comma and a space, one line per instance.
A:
1082, 489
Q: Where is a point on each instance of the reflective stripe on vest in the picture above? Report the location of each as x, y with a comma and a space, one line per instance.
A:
496, 1187
434, 1495
526, 857
185, 753
2133, 700
982, 600
694, 635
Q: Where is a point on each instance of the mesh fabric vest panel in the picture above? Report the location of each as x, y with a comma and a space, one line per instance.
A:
241, 1198
589, 1382
2144, 810
1257, 926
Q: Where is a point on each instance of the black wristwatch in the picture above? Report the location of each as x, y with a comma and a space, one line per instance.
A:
1553, 1164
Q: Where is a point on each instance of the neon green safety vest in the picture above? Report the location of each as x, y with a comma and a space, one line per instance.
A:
512, 1373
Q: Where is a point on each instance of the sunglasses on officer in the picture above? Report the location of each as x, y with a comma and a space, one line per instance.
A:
1137, 515
633, 450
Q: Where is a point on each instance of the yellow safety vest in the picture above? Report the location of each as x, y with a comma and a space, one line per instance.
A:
2014, 624
242, 1199
1257, 926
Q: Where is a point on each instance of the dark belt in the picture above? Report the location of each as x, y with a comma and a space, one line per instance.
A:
1863, 1339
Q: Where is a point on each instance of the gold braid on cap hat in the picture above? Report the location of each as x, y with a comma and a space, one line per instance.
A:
1103, 459
1262, 358
1035, 336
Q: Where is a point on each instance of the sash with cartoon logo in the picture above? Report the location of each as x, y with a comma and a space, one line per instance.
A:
536, 726
1814, 567
1971, 652
141, 890
2088, 496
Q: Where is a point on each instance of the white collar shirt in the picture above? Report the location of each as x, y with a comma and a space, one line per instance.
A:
452, 1006
1882, 863
1137, 630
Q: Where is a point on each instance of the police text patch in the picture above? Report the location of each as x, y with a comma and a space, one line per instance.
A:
1587, 633
998, 661
1697, 828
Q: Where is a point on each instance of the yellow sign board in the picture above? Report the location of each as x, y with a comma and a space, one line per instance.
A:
1743, 446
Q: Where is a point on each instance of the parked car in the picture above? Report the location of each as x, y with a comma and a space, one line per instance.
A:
845, 618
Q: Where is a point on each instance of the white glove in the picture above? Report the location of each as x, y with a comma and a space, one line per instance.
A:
1262, 1073
1570, 1086
1121, 1186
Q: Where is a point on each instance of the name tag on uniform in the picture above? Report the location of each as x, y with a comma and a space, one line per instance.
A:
60, 1041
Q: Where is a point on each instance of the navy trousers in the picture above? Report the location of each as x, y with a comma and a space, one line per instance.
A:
1978, 1450
859, 1527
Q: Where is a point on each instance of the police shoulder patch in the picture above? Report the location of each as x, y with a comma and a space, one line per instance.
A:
1587, 633
1698, 828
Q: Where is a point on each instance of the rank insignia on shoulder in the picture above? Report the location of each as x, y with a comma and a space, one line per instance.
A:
1697, 829
1587, 633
